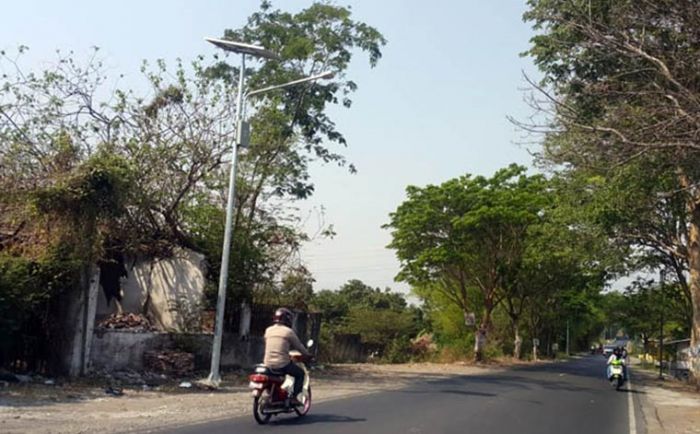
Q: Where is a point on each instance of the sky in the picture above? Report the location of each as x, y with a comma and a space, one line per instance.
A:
434, 108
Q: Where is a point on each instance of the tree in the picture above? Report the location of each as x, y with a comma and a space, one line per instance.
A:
642, 307
463, 237
621, 85
291, 127
116, 172
382, 318
178, 141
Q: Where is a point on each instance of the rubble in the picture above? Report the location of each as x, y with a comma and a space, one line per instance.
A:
208, 321
114, 391
8, 377
131, 321
173, 363
128, 377
23, 378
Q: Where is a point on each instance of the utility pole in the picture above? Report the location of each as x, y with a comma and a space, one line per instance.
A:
567, 338
662, 279
535, 344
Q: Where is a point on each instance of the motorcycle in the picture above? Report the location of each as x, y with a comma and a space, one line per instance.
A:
616, 375
271, 390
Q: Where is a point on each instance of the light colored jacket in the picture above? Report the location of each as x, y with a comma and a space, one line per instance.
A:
279, 340
613, 358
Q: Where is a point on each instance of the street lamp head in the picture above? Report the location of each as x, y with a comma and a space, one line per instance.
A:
243, 48
323, 75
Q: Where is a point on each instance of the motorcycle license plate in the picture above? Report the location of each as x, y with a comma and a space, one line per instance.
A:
617, 370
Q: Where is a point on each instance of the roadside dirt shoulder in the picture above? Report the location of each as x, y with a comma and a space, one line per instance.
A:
668, 406
83, 408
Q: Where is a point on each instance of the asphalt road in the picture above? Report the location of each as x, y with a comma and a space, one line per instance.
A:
570, 397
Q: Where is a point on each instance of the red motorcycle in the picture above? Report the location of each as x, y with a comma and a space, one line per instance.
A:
271, 390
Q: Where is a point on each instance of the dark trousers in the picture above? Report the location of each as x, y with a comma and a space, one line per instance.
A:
297, 373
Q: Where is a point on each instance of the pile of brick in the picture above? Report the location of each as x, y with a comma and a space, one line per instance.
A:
208, 321
130, 321
173, 363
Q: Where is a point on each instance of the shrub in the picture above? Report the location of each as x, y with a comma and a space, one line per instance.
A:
398, 351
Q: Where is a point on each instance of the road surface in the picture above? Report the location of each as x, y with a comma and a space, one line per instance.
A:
570, 397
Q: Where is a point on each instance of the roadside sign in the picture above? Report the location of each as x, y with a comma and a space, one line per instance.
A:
536, 342
469, 319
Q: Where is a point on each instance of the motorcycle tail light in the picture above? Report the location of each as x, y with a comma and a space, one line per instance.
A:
258, 378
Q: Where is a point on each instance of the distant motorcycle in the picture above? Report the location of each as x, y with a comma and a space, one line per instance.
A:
271, 390
616, 374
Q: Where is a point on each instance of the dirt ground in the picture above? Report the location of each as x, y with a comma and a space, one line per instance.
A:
85, 407
668, 406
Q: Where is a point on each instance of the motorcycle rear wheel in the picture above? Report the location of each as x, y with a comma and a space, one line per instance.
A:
259, 403
301, 411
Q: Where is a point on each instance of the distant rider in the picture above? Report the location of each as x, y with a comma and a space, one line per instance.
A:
619, 357
279, 340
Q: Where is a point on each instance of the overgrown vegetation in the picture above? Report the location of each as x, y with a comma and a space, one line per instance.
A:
89, 174
383, 320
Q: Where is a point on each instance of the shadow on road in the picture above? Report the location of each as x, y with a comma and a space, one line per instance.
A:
510, 382
452, 391
317, 418
632, 391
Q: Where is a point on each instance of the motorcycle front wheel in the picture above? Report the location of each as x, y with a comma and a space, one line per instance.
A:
259, 404
306, 399
619, 383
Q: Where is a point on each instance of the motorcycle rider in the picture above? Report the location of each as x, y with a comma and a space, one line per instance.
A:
279, 340
618, 357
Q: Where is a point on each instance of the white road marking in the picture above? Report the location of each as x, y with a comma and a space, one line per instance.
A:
630, 406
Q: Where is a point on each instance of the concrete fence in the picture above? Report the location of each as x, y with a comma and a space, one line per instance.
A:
116, 350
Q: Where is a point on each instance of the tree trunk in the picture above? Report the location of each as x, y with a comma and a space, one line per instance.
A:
694, 281
645, 340
480, 343
517, 341
481, 336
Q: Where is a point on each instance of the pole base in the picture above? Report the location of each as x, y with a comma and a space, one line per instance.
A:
212, 382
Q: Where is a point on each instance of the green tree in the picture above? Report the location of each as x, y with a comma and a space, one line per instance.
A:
620, 77
291, 127
178, 141
642, 307
463, 237
382, 318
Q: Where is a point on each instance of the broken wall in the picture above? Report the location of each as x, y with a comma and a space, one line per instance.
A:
116, 350
169, 291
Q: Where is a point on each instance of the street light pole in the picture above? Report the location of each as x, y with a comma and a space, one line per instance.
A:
662, 279
243, 49
214, 375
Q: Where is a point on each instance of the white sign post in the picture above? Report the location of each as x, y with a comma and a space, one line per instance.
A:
469, 319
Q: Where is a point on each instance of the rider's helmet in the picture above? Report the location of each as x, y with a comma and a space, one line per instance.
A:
283, 316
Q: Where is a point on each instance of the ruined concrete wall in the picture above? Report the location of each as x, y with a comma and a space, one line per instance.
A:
345, 348
74, 325
168, 290
115, 350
